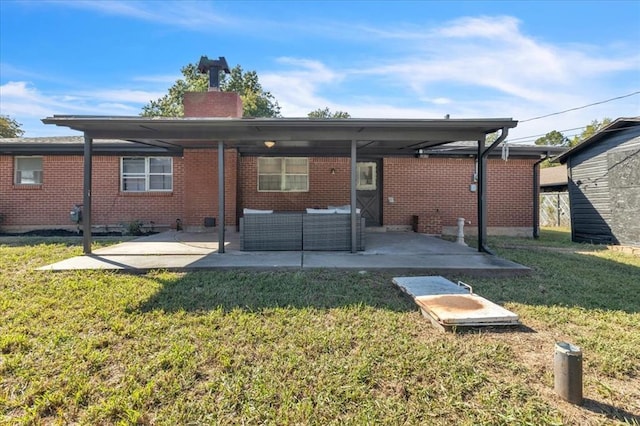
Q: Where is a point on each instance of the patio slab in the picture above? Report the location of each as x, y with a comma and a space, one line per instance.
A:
471, 264
392, 251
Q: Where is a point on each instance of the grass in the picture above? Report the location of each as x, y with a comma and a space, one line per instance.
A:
321, 347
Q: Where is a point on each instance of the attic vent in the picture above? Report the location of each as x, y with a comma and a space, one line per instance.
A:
213, 67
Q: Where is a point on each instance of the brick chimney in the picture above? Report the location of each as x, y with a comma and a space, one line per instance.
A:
212, 103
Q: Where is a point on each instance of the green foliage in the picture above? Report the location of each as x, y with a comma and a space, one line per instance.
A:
492, 137
10, 128
553, 138
326, 113
547, 163
255, 101
133, 228
313, 347
589, 131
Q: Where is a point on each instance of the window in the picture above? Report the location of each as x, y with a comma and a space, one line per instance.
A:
28, 171
140, 174
366, 176
279, 174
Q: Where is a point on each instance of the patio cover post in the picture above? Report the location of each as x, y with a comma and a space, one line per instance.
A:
86, 197
220, 197
483, 153
353, 202
482, 187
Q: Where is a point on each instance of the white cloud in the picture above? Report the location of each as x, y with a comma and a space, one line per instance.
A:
123, 95
488, 27
298, 87
492, 53
438, 101
470, 67
19, 97
24, 102
162, 78
483, 66
196, 15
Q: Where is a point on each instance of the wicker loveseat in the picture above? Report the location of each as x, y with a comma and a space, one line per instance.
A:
296, 231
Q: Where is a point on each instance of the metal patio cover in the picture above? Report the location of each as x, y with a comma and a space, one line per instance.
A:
354, 138
293, 136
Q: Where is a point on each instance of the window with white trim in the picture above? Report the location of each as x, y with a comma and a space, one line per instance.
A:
146, 174
28, 171
283, 174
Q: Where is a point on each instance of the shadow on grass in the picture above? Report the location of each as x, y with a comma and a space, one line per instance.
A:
11, 240
26, 241
611, 412
566, 279
255, 291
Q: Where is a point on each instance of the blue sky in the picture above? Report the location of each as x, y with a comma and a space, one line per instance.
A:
390, 59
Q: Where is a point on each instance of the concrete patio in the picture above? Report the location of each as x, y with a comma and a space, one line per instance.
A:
385, 251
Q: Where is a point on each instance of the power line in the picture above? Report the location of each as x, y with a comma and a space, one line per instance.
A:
533, 138
544, 134
581, 107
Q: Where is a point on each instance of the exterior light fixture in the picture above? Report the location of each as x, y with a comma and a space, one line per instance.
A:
333, 171
269, 144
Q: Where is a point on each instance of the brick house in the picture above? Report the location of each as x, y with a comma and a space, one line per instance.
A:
416, 174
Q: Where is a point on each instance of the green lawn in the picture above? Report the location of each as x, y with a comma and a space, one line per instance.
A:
321, 347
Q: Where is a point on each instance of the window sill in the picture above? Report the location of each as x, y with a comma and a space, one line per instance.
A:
147, 194
27, 186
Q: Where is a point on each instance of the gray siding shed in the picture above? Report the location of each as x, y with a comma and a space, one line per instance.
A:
604, 185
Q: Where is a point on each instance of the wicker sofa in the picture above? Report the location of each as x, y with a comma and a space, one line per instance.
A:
295, 231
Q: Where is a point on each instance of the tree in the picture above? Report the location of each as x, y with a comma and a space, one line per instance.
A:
255, 101
590, 130
10, 128
553, 138
326, 113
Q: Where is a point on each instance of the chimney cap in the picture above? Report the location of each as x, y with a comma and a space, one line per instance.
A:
213, 66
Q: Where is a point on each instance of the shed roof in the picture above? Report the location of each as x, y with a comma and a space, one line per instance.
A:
617, 125
553, 176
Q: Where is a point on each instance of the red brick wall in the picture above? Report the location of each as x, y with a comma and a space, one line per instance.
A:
111, 206
324, 188
201, 185
201, 170
194, 195
426, 186
49, 204
418, 186
212, 104
44, 204
440, 187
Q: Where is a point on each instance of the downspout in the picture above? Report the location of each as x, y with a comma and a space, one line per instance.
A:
482, 188
536, 196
